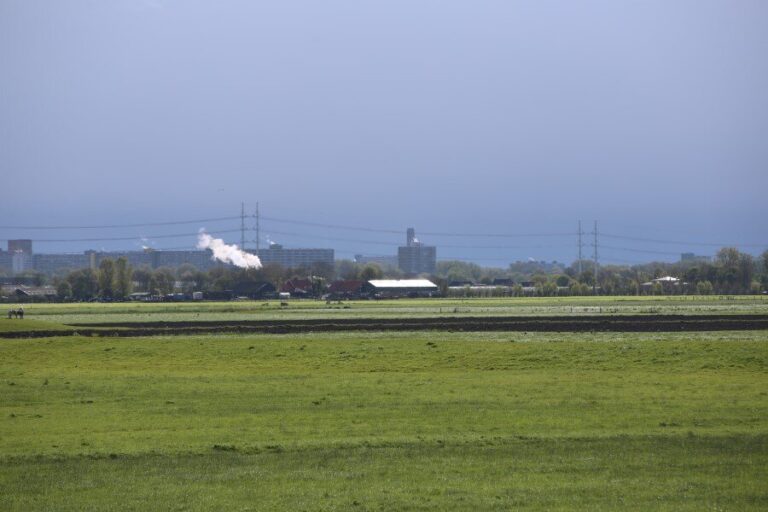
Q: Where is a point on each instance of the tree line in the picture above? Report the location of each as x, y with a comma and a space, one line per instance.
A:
729, 272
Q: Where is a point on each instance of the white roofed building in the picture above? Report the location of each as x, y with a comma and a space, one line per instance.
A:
401, 288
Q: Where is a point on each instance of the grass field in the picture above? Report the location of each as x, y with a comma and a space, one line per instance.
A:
307, 309
386, 421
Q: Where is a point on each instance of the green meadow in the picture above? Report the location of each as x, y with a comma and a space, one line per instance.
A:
386, 421
308, 309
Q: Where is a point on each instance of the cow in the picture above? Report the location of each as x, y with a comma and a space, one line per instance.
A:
16, 313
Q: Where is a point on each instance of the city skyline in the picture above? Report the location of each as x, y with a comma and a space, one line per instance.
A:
349, 241
500, 117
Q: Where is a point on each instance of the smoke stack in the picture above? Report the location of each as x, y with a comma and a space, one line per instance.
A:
227, 253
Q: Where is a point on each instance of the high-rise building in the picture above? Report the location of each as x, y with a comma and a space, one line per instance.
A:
415, 257
292, 258
24, 246
20, 252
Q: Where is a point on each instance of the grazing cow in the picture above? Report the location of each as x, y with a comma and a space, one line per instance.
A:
16, 313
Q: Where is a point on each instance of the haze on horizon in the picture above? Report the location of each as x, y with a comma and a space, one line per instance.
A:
452, 117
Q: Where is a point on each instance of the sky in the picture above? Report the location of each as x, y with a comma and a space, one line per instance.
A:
456, 118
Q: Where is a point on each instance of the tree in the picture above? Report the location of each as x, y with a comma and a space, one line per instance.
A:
186, 272
322, 269
578, 288
63, 290
123, 278
548, 289
274, 273
370, 271
346, 270
704, 288
764, 280
735, 270
83, 283
459, 270
107, 278
142, 276
38, 278
192, 280
162, 281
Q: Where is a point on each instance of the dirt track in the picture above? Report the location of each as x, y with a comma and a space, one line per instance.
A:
623, 323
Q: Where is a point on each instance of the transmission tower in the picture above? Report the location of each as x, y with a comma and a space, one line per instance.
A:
580, 247
242, 226
258, 229
594, 284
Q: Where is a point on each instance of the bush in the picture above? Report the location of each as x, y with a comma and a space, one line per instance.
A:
704, 288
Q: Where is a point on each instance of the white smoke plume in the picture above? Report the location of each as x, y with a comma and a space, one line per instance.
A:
227, 253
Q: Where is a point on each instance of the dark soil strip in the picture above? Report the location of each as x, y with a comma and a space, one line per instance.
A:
447, 321
624, 323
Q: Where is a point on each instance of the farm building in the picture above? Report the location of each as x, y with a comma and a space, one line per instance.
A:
345, 289
298, 288
262, 290
401, 288
28, 292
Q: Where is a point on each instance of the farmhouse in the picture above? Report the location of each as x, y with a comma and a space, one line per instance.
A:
28, 292
401, 288
298, 288
260, 290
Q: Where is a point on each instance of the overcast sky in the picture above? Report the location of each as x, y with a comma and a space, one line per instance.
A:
449, 116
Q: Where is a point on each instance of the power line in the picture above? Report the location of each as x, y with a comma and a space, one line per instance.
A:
628, 249
497, 235
390, 244
113, 226
334, 239
127, 238
331, 226
400, 231
679, 242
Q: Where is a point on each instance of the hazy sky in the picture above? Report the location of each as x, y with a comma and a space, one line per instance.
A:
448, 116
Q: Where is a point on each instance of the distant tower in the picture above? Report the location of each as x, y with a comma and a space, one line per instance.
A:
24, 246
410, 237
415, 257
21, 255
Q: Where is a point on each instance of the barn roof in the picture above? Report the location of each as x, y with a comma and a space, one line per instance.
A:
402, 283
349, 286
